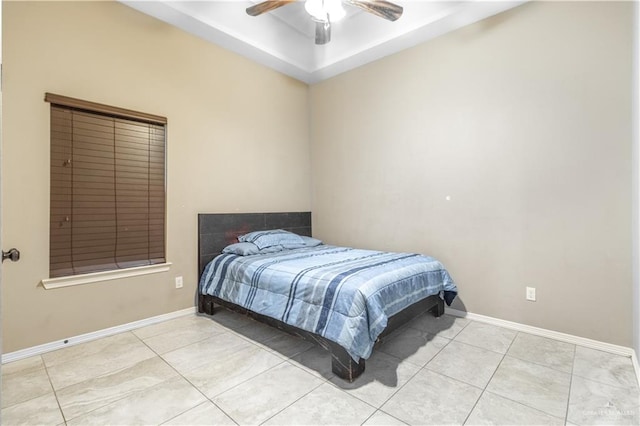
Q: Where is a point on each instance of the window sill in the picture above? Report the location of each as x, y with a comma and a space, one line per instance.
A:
51, 283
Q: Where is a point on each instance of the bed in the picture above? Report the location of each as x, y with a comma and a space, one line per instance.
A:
342, 298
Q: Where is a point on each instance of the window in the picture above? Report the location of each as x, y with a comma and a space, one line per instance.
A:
107, 188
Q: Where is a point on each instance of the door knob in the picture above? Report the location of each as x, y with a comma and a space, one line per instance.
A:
12, 254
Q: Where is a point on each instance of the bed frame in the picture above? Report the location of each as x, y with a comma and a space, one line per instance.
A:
215, 231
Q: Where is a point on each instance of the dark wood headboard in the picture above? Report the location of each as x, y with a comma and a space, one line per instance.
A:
217, 230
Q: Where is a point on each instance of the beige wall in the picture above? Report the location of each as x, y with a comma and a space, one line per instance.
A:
524, 121
237, 141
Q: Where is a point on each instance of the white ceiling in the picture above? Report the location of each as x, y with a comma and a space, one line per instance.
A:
283, 39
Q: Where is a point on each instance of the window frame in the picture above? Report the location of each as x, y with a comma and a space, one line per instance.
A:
117, 272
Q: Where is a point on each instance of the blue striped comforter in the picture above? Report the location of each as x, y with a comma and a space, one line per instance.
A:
342, 294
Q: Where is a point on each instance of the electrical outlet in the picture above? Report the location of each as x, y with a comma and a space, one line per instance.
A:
531, 294
178, 282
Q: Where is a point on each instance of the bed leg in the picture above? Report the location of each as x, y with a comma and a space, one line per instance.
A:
438, 309
343, 366
205, 304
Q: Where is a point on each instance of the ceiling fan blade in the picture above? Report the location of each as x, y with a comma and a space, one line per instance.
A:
266, 6
384, 9
323, 32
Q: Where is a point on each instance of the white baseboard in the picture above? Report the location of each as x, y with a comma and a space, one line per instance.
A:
636, 366
71, 341
556, 335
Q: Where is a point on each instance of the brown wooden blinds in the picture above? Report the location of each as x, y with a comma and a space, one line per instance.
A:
107, 192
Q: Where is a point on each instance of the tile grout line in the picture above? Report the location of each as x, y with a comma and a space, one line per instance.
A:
519, 402
204, 402
289, 360
4, 377
235, 386
382, 411
491, 378
55, 393
322, 383
180, 347
550, 368
260, 346
244, 381
417, 371
424, 366
573, 366
324, 380
328, 381
177, 372
475, 347
412, 376
122, 397
159, 356
601, 382
188, 381
541, 364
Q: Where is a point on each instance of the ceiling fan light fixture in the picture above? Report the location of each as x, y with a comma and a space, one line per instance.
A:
325, 10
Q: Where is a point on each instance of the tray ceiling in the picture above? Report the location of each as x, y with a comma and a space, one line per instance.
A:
283, 39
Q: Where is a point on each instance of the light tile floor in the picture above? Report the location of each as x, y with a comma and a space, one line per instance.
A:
228, 369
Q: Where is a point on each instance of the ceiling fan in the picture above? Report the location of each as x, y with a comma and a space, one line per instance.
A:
324, 12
